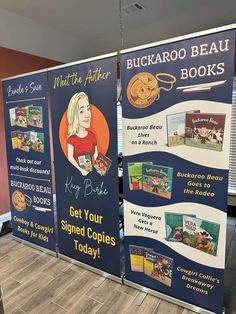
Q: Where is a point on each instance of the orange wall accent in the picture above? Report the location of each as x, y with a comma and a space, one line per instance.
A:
13, 63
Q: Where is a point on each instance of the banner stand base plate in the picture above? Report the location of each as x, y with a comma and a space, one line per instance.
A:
167, 298
35, 246
91, 268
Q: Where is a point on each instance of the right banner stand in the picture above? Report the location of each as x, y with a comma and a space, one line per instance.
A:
176, 105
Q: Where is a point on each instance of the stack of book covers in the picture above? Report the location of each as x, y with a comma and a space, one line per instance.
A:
151, 178
198, 233
196, 129
25, 116
152, 264
27, 141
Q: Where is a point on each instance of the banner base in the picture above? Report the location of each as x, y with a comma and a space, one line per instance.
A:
168, 298
93, 269
35, 246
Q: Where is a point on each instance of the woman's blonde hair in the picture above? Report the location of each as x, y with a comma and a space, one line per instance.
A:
73, 113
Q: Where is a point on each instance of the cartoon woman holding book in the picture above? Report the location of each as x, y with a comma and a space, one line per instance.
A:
81, 143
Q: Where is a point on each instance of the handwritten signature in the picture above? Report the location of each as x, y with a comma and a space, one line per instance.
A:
85, 190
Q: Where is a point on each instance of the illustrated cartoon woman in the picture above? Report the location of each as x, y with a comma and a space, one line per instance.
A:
80, 141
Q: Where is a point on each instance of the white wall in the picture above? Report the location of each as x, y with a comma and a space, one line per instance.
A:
23, 34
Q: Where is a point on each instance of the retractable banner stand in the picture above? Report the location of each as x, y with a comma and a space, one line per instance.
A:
29, 162
176, 122
84, 123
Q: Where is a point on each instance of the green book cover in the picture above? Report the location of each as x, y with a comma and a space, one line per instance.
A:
135, 173
201, 234
37, 141
85, 162
12, 114
35, 116
174, 226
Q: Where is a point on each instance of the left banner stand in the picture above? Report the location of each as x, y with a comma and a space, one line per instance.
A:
84, 126
29, 161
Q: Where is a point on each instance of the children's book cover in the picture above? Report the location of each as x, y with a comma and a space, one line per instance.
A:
157, 180
35, 116
37, 141
21, 117
174, 226
14, 139
102, 164
85, 162
176, 128
137, 254
205, 130
24, 141
12, 114
158, 267
135, 173
201, 234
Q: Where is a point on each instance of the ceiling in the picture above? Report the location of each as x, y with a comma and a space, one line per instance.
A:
101, 28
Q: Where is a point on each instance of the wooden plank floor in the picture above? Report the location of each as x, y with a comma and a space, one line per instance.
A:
34, 282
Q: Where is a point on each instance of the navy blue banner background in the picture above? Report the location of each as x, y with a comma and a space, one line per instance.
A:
220, 94
131, 65
30, 172
97, 242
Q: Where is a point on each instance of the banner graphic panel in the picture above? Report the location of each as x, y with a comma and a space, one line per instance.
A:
176, 105
29, 161
84, 122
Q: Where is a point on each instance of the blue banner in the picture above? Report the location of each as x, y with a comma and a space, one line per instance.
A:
176, 105
29, 161
84, 123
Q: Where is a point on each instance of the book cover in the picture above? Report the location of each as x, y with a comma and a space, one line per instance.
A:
12, 114
174, 226
158, 267
176, 128
201, 234
21, 117
102, 164
35, 116
135, 173
205, 130
137, 254
157, 180
23, 141
37, 141
85, 162
14, 139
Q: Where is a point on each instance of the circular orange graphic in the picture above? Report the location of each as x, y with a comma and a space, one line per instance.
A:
98, 126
